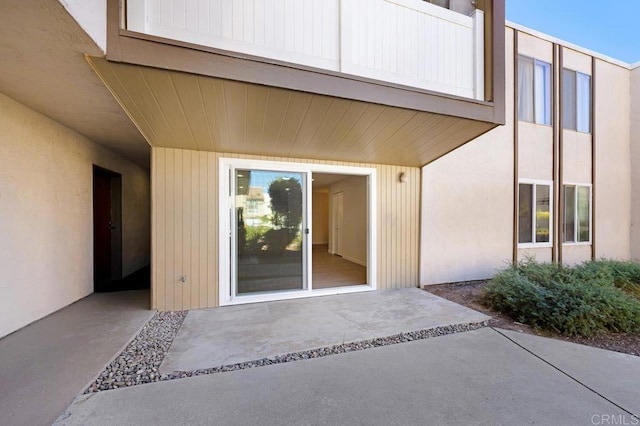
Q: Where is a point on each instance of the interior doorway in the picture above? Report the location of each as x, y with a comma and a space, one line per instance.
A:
340, 230
107, 228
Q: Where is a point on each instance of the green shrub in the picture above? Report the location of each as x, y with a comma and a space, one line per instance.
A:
583, 300
625, 274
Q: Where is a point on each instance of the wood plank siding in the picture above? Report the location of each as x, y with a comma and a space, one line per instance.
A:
185, 226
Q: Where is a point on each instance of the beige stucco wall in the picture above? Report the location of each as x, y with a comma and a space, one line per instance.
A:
635, 160
576, 157
577, 61
320, 216
573, 254
535, 151
613, 167
46, 222
354, 221
467, 204
534, 47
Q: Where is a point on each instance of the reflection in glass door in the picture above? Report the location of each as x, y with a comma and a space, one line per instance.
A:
269, 249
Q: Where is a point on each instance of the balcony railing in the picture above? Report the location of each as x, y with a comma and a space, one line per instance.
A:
407, 42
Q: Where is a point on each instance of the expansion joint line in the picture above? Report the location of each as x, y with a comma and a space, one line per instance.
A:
565, 373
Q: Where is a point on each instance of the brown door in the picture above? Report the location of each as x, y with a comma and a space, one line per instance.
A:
106, 228
101, 228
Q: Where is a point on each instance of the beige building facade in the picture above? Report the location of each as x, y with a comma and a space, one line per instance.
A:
267, 158
576, 144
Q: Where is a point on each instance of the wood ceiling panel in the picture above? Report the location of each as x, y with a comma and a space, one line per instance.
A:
424, 136
317, 146
119, 91
316, 112
216, 111
191, 100
293, 121
392, 126
258, 99
181, 110
160, 86
344, 126
360, 127
235, 103
277, 110
146, 108
386, 150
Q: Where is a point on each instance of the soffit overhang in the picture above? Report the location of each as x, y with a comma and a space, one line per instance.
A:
42, 51
182, 110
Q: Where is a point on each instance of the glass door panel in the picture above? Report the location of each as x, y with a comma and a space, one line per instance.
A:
269, 239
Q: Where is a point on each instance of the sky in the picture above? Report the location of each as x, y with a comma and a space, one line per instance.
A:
610, 27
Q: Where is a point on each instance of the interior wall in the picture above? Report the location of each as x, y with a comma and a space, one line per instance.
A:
354, 220
46, 221
467, 204
320, 216
185, 226
635, 159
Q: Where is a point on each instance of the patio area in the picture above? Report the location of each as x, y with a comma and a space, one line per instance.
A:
235, 334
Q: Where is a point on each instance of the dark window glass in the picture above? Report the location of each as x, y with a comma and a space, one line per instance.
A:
569, 214
525, 202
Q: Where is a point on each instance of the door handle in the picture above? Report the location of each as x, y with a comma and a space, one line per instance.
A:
111, 226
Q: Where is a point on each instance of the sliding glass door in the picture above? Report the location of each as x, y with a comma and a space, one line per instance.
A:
269, 227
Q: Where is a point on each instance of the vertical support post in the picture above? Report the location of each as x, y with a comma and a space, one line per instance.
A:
516, 187
593, 159
558, 178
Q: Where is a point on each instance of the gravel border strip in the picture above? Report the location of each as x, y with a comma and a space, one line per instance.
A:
139, 363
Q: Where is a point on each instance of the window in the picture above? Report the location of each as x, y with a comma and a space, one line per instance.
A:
577, 214
576, 101
534, 212
534, 91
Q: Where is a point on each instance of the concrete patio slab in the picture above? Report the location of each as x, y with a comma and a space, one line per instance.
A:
611, 373
44, 366
476, 377
228, 335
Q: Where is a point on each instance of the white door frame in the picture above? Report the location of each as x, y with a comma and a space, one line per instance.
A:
226, 234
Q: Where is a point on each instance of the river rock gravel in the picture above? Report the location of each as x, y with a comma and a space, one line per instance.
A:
139, 362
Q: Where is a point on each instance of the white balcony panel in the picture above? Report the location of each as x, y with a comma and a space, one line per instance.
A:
407, 42
300, 32
410, 42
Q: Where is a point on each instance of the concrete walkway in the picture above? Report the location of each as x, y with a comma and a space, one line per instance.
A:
45, 365
476, 377
234, 334
614, 375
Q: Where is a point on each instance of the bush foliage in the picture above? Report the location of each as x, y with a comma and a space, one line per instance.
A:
591, 298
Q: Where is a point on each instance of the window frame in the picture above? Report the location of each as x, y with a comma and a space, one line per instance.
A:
576, 223
576, 75
535, 183
548, 94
